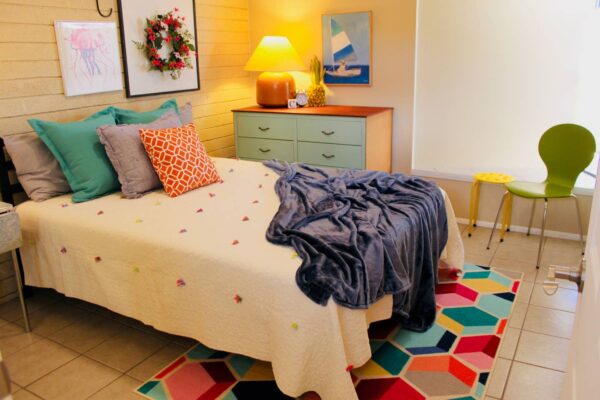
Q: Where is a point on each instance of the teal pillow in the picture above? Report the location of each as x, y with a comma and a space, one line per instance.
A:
134, 117
80, 154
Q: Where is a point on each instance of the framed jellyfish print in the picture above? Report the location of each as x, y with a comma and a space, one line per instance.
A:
89, 57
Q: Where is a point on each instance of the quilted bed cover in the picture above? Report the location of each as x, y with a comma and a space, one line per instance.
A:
199, 265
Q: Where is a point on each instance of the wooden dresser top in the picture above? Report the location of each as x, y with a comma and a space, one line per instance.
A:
336, 111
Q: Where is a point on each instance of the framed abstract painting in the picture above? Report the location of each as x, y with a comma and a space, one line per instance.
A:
347, 48
89, 57
158, 40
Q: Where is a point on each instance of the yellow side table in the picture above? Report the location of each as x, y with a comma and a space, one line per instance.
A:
494, 178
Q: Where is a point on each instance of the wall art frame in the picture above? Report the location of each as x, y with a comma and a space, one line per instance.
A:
140, 79
348, 48
89, 57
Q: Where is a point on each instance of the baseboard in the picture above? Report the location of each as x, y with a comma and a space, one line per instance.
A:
579, 191
523, 229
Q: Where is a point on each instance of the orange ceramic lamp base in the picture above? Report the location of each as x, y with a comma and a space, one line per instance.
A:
273, 89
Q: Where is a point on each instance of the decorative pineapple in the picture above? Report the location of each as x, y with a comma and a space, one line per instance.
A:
316, 91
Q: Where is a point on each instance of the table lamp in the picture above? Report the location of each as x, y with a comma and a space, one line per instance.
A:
274, 57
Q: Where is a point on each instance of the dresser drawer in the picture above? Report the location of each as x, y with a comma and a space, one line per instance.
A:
331, 155
265, 127
331, 130
266, 149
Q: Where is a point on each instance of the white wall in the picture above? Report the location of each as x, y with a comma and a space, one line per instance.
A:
393, 55
493, 75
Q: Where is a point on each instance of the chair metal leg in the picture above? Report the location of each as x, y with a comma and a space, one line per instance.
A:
497, 217
579, 224
20, 290
539, 257
531, 217
506, 217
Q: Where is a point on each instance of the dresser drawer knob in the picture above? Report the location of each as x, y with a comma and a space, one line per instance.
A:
263, 129
328, 155
327, 133
264, 150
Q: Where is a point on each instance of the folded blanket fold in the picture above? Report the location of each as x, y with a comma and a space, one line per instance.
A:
362, 235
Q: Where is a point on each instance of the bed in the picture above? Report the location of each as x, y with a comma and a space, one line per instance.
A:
199, 265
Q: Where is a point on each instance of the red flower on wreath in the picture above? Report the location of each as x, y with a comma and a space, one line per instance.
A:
168, 30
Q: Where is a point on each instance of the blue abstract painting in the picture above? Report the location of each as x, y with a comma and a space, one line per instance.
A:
347, 48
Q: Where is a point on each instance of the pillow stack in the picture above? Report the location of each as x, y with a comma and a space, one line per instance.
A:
80, 154
104, 153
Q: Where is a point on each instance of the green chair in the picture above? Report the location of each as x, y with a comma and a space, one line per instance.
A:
566, 150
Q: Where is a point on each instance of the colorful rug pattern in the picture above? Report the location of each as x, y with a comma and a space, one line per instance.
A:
452, 360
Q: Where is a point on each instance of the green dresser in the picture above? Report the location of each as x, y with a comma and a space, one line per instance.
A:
332, 136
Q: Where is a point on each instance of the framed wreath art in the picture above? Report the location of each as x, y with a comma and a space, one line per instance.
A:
165, 30
159, 46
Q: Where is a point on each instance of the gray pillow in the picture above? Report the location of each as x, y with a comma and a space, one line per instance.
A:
185, 114
128, 156
37, 169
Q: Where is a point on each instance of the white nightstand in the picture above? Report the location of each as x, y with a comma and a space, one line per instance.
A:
11, 240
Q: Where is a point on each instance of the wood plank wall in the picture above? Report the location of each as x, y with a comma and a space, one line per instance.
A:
31, 84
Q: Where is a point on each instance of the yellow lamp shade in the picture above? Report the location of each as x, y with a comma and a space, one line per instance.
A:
274, 54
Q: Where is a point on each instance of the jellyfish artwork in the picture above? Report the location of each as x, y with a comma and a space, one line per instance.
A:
91, 61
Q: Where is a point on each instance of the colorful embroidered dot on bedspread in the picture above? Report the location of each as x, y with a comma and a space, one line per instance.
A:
97, 259
235, 242
245, 219
183, 230
100, 212
237, 298
180, 282
294, 326
63, 250
138, 221
255, 202
212, 194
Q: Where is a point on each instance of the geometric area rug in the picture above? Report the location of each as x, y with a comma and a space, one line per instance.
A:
453, 360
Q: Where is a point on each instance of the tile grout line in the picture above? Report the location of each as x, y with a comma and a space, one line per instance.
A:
537, 271
520, 329
48, 373
79, 354
108, 384
546, 334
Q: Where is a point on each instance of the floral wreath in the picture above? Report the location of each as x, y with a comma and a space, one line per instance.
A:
168, 29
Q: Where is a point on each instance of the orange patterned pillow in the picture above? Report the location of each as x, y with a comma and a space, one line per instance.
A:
179, 158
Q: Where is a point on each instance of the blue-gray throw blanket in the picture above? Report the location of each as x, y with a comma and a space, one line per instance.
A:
362, 235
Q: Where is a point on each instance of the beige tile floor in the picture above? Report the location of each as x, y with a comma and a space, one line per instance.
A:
78, 350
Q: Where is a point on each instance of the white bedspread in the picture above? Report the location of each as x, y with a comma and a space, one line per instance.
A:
179, 263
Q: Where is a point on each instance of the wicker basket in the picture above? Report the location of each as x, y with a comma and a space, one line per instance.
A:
10, 228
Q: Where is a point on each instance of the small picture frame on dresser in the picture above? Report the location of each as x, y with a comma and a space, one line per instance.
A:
292, 103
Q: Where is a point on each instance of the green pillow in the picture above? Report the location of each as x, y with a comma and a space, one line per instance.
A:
80, 154
134, 117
